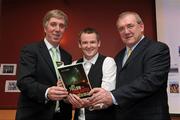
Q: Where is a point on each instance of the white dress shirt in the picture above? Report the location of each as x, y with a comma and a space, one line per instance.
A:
109, 75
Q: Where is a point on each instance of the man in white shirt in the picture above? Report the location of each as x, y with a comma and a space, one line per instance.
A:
101, 71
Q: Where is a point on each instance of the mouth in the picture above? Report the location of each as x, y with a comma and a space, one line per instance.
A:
90, 52
128, 37
57, 36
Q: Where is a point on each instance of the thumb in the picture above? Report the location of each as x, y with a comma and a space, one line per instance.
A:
94, 90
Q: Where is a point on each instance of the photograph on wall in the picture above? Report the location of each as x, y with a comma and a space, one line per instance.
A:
174, 87
10, 86
8, 69
173, 90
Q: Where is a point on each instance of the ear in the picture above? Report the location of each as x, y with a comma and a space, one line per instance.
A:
142, 27
99, 43
44, 29
79, 44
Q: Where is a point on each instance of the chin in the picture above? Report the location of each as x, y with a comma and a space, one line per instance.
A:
56, 40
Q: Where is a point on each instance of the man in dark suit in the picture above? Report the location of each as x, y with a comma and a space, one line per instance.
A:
141, 80
41, 98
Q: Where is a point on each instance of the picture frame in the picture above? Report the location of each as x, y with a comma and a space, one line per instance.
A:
10, 86
8, 69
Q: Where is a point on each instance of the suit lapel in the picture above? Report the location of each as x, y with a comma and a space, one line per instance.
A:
45, 54
120, 60
62, 54
138, 50
64, 57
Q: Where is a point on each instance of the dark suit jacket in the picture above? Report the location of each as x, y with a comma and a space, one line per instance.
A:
36, 73
142, 81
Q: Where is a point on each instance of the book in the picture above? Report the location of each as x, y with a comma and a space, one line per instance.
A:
75, 79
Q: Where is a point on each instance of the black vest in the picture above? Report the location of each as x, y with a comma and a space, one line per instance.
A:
95, 78
95, 72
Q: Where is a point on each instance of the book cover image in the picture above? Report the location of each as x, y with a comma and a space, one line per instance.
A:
75, 79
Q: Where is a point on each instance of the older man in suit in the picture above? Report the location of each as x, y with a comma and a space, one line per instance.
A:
142, 74
41, 98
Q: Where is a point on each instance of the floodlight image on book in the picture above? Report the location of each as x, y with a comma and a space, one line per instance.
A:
75, 79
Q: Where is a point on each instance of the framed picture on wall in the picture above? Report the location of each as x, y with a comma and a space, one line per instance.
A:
10, 86
8, 69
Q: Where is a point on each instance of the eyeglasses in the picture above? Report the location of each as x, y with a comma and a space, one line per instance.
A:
127, 27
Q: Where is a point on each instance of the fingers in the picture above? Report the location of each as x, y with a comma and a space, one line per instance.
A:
100, 99
96, 94
100, 96
73, 100
57, 93
76, 101
94, 90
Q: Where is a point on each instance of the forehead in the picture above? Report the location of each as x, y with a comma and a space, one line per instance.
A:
127, 19
88, 36
57, 20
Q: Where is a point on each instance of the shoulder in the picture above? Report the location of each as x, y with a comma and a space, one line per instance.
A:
155, 50
157, 46
109, 65
109, 61
162, 45
153, 43
32, 46
108, 58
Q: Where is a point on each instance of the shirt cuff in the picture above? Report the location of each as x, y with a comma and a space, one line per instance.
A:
113, 99
46, 95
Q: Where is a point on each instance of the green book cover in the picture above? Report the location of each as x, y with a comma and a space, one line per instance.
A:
75, 79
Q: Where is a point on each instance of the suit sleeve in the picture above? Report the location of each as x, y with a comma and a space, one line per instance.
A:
27, 77
153, 76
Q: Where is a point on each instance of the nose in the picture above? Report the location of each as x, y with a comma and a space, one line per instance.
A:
88, 45
57, 28
126, 30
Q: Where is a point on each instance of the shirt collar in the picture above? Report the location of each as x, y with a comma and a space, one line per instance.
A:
132, 48
49, 46
92, 60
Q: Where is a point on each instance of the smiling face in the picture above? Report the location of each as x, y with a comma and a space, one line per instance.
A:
89, 44
130, 29
54, 30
